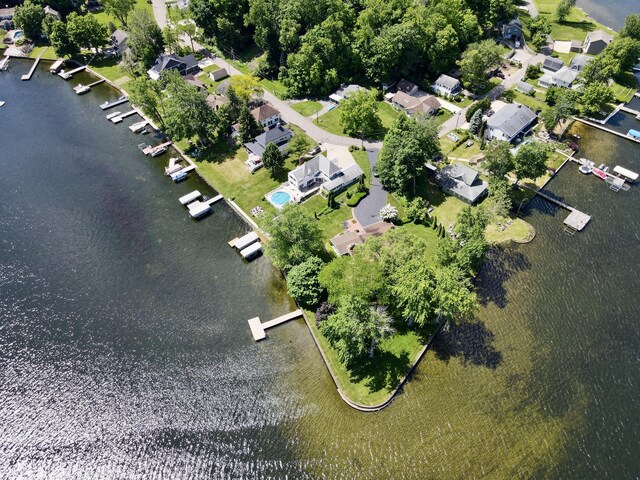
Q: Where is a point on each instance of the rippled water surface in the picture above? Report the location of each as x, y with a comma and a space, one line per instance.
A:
610, 12
125, 352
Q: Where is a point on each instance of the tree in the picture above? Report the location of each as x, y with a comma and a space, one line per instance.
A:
413, 290
187, 113
472, 222
303, 283
539, 28
476, 60
564, 8
631, 27
147, 94
359, 114
355, 328
59, 39
222, 20
408, 144
595, 97
622, 54
249, 127
294, 237
272, 158
499, 159
170, 39
418, 210
246, 87
28, 17
85, 31
354, 275
388, 213
531, 160
499, 201
145, 37
482, 105
298, 145
119, 9
445, 50
189, 29
476, 122
453, 296
533, 72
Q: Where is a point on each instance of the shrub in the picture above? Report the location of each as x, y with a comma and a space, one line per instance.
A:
302, 281
389, 213
418, 211
322, 313
355, 199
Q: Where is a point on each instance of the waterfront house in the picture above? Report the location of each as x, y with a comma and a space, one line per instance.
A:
446, 85
407, 87
218, 74
579, 62
266, 115
343, 243
323, 172
118, 42
596, 41
552, 64
184, 65
562, 78
525, 88
509, 122
344, 92
428, 104
278, 135
462, 182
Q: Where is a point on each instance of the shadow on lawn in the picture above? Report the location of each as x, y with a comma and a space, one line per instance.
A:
383, 371
500, 265
471, 341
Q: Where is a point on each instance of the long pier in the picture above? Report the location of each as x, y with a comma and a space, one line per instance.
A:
97, 82
630, 110
258, 328
119, 118
595, 125
27, 76
108, 105
71, 73
576, 220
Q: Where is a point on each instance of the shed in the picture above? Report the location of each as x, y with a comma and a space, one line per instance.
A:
525, 87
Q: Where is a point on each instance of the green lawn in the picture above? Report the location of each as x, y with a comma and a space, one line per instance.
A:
362, 160
108, 67
105, 19
575, 27
625, 86
371, 381
465, 152
331, 220
500, 232
330, 121
442, 116
48, 55
535, 102
307, 107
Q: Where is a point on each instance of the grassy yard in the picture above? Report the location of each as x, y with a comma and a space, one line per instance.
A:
330, 121
307, 107
48, 55
108, 67
465, 152
105, 19
371, 381
501, 232
575, 27
331, 220
442, 116
535, 102
625, 87
362, 160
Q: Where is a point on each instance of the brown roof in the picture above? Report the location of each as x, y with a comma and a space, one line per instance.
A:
407, 101
215, 101
263, 112
196, 82
344, 242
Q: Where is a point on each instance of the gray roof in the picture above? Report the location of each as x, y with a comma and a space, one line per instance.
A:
118, 37
600, 35
462, 181
580, 61
447, 82
406, 86
512, 119
348, 176
223, 87
553, 64
278, 135
525, 87
318, 164
566, 75
345, 90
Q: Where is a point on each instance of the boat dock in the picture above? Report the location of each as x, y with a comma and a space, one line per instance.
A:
576, 221
199, 208
630, 110
595, 125
107, 105
71, 73
27, 76
153, 151
138, 127
122, 116
4, 63
258, 329
56, 66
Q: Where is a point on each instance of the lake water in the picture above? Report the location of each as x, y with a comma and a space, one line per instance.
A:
610, 12
125, 352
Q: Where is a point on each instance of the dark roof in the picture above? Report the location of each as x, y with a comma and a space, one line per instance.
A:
166, 62
196, 82
512, 119
190, 61
277, 135
553, 64
462, 181
406, 86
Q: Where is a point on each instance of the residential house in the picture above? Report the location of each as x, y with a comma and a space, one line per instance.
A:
462, 182
576, 46
344, 92
195, 82
509, 122
266, 115
596, 41
118, 42
54, 13
579, 61
343, 243
184, 65
552, 64
525, 88
278, 135
6, 17
512, 30
446, 85
405, 86
427, 104
223, 87
323, 172
562, 78
218, 74
216, 101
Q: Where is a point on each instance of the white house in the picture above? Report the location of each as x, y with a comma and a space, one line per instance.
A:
324, 172
562, 78
509, 122
266, 115
446, 85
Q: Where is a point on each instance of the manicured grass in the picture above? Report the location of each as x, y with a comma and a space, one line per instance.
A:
48, 55
625, 86
388, 114
307, 107
442, 116
330, 221
535, 102
519, 231
465, 152
362, 160
371, 381
108, 67
275, 87
575, 27
105, 19
330, 121
490, 85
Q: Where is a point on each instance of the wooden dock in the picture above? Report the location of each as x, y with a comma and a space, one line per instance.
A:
71, 73
576, 220
595, 125
211, 201
149, 150
107, 105
27, 76
258, 329
119, 118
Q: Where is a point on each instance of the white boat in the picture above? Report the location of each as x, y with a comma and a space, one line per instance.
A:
251, 251
159, 150
138, 127
114, 114
586, 169
56, 66
246, 240
197, 209
80, 89
1, 103
178, 176
189, 197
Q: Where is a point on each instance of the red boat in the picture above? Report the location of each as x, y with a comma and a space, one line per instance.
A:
599, 173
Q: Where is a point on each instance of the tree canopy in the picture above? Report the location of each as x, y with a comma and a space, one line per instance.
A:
28, 17
145, 37
476, 60
359, 114
85, 31
303, 283
119, 9
531, 160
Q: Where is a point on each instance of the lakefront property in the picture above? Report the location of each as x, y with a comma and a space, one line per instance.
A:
380, 163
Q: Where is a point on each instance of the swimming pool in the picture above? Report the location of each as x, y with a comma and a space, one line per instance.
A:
280, 198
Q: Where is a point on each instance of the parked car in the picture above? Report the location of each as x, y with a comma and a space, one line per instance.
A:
469, 143
490, 112
500, 75
314, 151
374, 171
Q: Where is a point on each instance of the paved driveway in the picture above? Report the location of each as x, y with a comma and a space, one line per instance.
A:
368, 210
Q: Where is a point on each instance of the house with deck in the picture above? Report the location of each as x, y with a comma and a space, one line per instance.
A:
183, 65
462, 182
278, 135
510, 121
446, 85
322, 172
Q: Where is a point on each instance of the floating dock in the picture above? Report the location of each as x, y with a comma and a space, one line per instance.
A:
153, 151
576, 221
138, 127
120, 101
71, 73
190, 197
122, 116
198, 208
258, 329
625, 174
244, 241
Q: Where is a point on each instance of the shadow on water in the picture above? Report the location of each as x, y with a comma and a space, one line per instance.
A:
502, 263
471, 341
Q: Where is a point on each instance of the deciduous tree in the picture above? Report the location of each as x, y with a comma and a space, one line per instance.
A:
85, 31
498, 158
145, 37
28, 17
303, 283
476, 60
531, 160
119, 9
359, 114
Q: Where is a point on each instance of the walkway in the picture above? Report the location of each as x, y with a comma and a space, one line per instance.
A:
258, 328
160, 12
367, 212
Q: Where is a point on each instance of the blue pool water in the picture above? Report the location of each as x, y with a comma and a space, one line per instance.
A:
280, 198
